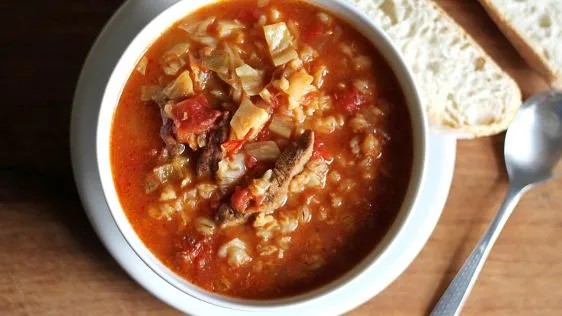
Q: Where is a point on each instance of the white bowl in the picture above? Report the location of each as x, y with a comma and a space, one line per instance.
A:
110, 99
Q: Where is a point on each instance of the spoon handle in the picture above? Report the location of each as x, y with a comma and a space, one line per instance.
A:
452, 300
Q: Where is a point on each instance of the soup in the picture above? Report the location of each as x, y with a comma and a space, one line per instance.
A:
261, 149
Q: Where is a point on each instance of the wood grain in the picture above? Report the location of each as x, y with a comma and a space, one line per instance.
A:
51, 262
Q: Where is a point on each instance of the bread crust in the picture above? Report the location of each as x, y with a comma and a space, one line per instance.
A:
470, 132
453, 104
536, 60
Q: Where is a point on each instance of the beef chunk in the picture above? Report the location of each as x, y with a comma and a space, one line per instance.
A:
289, 164
207, 163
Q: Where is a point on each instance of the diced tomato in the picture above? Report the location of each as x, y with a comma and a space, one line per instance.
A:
233, 146
320, 152
350, 100
194, 116
241, 199
251, 161
195, 253
315, 32
191, 249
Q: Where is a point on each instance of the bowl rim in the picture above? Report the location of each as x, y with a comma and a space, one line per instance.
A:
110, 99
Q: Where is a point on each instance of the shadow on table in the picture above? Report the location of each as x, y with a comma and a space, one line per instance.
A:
474, 230
40, 63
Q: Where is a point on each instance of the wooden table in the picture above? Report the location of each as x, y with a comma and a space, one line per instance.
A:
51, 262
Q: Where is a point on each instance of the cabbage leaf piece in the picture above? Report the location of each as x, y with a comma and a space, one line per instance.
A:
280, 43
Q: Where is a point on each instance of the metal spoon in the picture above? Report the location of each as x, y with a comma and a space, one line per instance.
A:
533, 147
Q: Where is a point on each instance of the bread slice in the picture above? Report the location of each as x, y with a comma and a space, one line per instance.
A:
462, 88
534, 27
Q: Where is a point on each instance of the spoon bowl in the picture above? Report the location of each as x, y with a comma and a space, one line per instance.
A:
533, 144
533, 147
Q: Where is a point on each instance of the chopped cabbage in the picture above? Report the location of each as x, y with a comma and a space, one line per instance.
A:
263, 151
233, 56
247, 117
300, 84
218, 61
280, 43
172, 58
151, 93
307, 54
225, 28
252, 79
177, 50
198, 31
172, 66
236, 91
282, 125
198, 27
266, 95
179, 88
200, 75
141, 66
319, 76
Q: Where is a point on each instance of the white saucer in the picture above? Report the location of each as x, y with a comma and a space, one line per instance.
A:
110, 45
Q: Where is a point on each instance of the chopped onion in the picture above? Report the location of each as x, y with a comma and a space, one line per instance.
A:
263, 151
179, 88
280, 43
252, 79
282, 125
